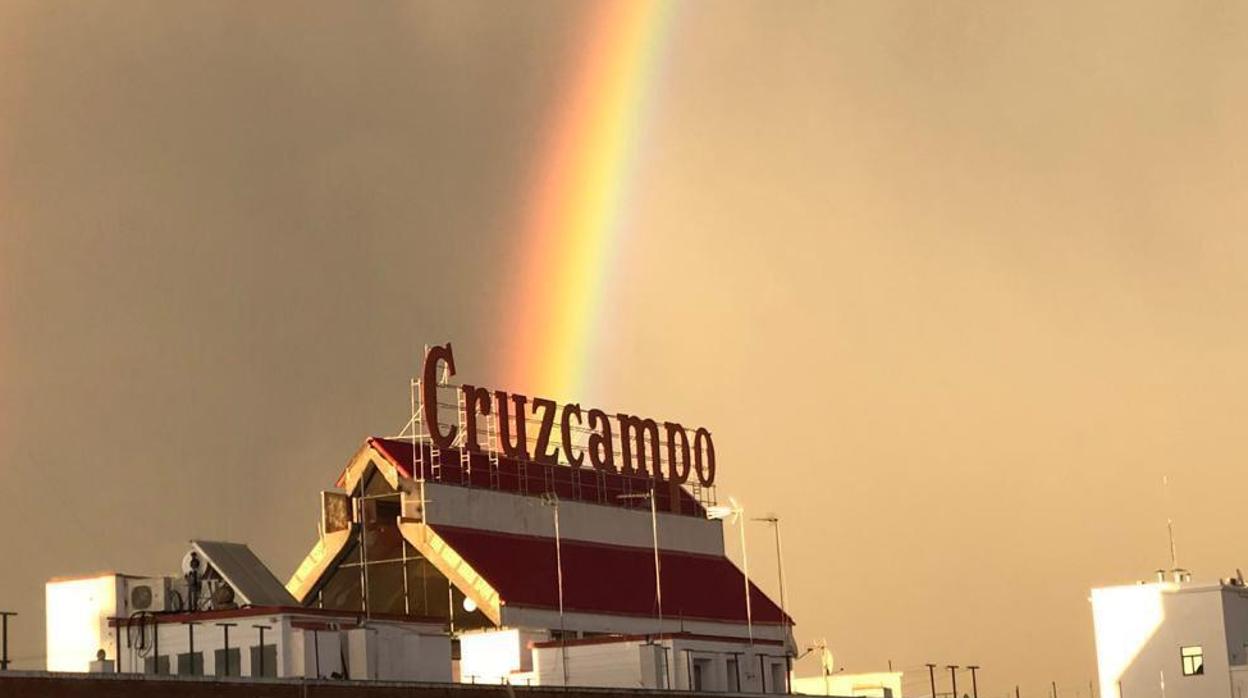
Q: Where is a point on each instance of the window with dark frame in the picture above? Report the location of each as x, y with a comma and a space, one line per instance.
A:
228, 664
191, 664
269, 661
1193, 660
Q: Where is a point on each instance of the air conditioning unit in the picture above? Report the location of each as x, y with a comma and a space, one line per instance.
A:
148, 594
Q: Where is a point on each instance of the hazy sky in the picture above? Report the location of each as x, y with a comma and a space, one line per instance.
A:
954, 284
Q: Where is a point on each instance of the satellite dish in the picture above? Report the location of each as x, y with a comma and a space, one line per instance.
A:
223, 596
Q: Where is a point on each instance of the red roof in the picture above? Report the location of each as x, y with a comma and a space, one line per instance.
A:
522, 477
602, 578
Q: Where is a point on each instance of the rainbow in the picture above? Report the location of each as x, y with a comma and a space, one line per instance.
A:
577, 202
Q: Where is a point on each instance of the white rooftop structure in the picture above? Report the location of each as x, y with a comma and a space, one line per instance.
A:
1172, 636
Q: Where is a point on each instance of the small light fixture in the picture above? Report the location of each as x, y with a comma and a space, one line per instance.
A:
469, 605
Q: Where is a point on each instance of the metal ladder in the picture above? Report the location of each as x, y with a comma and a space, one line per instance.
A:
491, 438
435, 453
465, 456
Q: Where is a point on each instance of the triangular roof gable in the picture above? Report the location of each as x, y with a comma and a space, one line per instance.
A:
329, 550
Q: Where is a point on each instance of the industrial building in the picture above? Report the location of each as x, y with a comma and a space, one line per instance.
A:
479, 550
1172, 636
439, 559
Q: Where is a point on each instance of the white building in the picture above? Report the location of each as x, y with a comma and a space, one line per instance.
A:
240, 621
1175, 637
681, 661
876, 684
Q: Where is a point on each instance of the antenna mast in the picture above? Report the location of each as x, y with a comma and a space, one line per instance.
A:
1174, 556
1177, 573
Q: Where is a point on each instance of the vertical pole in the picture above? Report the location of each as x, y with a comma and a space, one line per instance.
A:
190, 657
931, 674
788, 655
362, 516
4, 645
1054, 685
407, 605
689, 669
261, 628
155, 645
563, 632
953, 675
117, 639
654, 529
225, 627
450, 604
740, 657
1017, 694
780, 564
316, 647
975, 682
745, 575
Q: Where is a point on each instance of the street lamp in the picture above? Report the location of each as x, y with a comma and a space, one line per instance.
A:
551, 500
654, 531
734, 512
775, 523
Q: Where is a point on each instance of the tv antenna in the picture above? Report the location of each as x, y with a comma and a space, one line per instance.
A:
1178, 574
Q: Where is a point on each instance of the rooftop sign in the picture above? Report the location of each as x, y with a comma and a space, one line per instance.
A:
667, 453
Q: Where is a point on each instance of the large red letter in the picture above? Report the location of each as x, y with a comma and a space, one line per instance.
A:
429, 393
541, 452
476, 401
604, 460
677, 462
574, 459
520, 449
704, 457
644, 434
